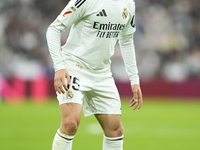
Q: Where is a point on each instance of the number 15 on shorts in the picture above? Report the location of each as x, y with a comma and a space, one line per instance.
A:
75, 83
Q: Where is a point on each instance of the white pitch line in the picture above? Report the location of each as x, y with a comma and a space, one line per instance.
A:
94, 128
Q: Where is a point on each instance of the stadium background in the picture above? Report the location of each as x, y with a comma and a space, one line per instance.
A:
167, 44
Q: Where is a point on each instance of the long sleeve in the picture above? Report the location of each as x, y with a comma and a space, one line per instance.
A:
128, 55
72, 13
53, 36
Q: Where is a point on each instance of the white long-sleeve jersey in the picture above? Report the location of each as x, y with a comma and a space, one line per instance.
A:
96, 25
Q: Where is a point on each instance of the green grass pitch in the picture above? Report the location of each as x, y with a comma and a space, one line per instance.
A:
159, 125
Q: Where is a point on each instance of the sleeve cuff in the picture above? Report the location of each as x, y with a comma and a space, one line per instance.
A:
59, 68
135, 81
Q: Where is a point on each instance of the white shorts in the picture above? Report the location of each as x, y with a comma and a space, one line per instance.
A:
97, 93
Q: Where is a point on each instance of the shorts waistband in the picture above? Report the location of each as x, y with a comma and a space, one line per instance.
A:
81, 66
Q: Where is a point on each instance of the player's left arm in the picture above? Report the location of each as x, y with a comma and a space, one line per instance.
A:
129, 57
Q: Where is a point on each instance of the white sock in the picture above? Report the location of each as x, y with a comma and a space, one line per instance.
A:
62, 141
115, 143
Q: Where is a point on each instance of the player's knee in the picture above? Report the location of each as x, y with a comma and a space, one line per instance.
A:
70, 126
115, 131
119, 130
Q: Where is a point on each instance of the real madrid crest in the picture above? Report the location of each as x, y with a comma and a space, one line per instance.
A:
125, 13
70, 95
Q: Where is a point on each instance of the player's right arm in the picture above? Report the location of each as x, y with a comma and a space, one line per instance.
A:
72, 13
53, 36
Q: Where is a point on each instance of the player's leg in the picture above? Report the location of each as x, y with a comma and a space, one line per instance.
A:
104, 102
113, 131
70, 119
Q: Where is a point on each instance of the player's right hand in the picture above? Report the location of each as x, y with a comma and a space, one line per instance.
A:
59, 80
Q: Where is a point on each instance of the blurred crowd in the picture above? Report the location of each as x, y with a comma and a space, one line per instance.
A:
167, 39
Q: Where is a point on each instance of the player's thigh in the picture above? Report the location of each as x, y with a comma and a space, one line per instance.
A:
70, 113
111, 124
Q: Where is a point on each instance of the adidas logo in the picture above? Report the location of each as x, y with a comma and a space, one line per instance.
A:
102, 13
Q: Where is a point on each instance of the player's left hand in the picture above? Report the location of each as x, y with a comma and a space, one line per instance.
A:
137, 97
